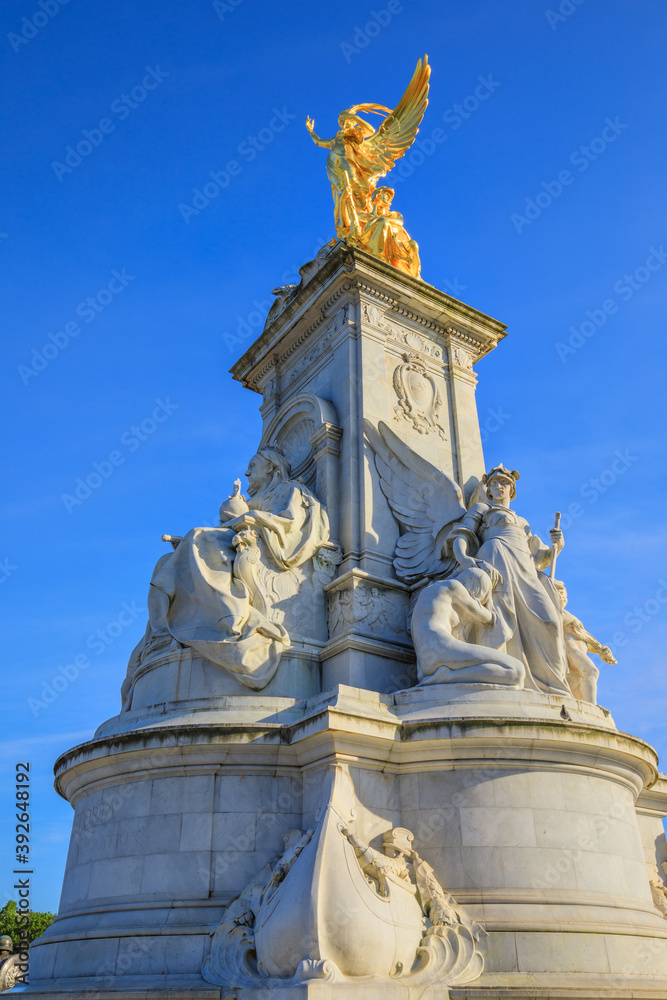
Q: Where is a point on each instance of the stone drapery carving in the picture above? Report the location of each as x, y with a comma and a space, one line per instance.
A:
444, 614
306, 430
527, 613
441, 538
216, 591
334, 909
419, 399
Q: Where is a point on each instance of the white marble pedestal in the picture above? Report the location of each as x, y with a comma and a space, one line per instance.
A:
531, 822
540, 824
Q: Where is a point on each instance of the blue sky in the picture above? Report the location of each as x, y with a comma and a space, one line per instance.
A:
541, 203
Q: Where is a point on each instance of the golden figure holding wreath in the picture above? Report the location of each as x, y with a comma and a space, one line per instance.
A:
359, 156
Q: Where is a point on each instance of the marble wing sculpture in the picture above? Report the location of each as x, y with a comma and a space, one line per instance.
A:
424, 501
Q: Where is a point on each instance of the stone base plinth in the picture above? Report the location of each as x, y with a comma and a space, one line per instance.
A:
540, 827
558, 987
141, 988
543, 987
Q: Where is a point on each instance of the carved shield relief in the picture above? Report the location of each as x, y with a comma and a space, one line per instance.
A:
419, 399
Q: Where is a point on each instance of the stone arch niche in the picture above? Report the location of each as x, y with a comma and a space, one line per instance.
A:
306, 429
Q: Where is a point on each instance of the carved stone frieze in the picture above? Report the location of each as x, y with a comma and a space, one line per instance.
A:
310, 357
415, 342
342, 316
461, 357
368, 608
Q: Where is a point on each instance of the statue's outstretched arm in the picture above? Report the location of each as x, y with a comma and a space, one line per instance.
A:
593, 645
327, 143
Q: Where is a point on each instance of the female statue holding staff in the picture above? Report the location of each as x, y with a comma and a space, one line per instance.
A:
442, 540
528, 620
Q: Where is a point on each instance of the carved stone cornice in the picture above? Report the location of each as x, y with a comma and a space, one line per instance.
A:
353, 273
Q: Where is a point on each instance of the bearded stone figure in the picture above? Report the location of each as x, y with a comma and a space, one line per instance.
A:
209, 593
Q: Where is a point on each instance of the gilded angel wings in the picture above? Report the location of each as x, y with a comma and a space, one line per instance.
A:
397, 132
358, 156
424, 501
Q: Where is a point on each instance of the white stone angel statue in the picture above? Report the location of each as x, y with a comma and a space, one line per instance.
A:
440, 538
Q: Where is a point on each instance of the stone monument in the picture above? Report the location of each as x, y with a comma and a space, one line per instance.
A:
12, 966
359, 753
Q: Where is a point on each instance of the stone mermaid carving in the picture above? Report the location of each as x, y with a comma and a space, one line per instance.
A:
521, 619
209, 593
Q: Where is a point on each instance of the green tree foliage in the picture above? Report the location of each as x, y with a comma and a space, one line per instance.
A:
9, 924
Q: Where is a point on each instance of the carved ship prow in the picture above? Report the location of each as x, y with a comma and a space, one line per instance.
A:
333, 909
327, 911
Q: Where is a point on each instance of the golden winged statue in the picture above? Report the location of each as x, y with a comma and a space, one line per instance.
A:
358, 156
